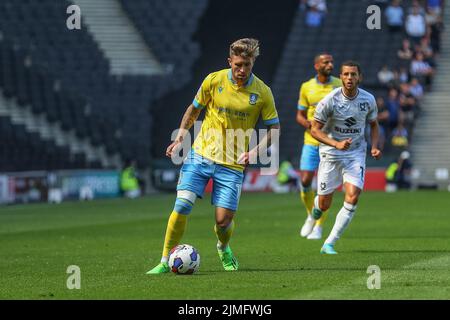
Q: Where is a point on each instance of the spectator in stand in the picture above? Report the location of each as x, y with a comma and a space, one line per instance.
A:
394, 16
315, 13
416, 4
399, 137
403, 75
383, 113
395, 82
383, 121
407, 106
403, 173
288, 177
405, 53
319, 5
435, 6
422, 70
416, 47
431, 16
398, 173
435, 26
427, 50
385, 76
129, 182
313, 18
393, 106
416, 89
415, 25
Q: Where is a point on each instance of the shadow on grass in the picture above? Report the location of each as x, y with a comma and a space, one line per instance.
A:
401, 251
249, 270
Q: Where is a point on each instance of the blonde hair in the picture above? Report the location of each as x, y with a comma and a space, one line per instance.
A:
247, 48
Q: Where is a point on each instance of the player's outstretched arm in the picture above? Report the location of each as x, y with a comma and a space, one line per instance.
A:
189, 117
316, 132
374, 138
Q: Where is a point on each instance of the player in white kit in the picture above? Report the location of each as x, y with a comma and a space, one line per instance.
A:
339, 124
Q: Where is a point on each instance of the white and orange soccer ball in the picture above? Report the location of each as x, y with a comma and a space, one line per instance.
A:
184, 259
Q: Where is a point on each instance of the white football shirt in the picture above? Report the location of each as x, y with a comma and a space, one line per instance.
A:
345, 118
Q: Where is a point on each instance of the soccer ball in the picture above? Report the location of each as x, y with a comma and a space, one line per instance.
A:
184, 259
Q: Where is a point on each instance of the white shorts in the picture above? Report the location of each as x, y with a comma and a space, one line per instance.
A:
332, 173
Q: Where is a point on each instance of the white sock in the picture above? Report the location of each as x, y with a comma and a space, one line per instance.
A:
343, 219
164, 259
316, 203
221, 246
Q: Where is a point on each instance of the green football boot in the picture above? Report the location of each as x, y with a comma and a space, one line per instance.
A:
163, 267
229, 261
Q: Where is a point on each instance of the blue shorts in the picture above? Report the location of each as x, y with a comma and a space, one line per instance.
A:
227, 183
310, 158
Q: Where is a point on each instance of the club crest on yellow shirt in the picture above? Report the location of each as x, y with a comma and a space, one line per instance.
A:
253, 98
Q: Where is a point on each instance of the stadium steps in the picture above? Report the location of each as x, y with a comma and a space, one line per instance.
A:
118, 38
53, 132
430, 151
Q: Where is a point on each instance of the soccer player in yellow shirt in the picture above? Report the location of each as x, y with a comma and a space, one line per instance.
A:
233, 99
311, 92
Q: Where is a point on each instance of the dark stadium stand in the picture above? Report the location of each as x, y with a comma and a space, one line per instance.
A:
64, 75
167, 27
22, 151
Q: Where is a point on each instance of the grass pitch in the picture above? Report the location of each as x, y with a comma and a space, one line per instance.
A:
114, 242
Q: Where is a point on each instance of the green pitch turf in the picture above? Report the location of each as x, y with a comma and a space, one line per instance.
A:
114, 242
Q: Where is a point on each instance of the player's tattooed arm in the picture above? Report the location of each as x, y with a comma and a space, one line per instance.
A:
190, 116
272, 135
316, 132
